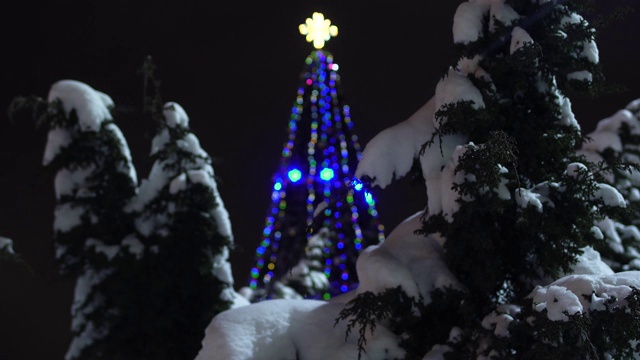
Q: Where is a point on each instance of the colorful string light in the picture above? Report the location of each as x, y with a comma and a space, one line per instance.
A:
322, 150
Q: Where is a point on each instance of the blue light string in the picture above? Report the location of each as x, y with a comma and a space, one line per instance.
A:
322, 99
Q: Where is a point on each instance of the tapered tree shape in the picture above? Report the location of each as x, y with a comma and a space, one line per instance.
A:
94, 180
313, 190
94, 177
187, 232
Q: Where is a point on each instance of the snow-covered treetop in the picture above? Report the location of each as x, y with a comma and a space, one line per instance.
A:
91, 106
468, 19
174, 169
175, 115
92, 109
6, 245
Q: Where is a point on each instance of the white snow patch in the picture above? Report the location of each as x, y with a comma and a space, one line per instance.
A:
67, 216
499, 319
92, 107
467, 22
580, 75
609, 195
405, 259
149, 187
160, 141
57, 139
72, 183
609, 227
6, 245
501, 12
390, 154
519, 38
590, 263
101, 248
568, 118
570, 293
126, 167
134, 245
290, 329
190, 143
175, 115
577, 169
606, 133
591, 52
525, 197
179, 183
80, 310
456, 87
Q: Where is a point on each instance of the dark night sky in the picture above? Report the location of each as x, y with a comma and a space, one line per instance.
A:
234, 68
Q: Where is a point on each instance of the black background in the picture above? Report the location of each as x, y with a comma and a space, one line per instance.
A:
234, 68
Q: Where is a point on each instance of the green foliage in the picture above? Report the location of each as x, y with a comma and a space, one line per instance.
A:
36, 105
489, 164
419, 326
611, 332
446, 311
521, 141
527, 203
536, 145
368, 309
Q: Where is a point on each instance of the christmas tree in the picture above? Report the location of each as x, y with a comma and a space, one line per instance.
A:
151, 261
319, 220
503, 261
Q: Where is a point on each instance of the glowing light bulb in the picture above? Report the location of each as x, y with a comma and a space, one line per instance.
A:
295, 175
318, 30
326, 174
368, 197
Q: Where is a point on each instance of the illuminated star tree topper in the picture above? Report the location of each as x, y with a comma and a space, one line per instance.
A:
318, 30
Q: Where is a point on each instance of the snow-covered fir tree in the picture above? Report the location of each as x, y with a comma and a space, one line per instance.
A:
512, 203
94, 180
187, 234
94, 177
151, 262
502, 263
